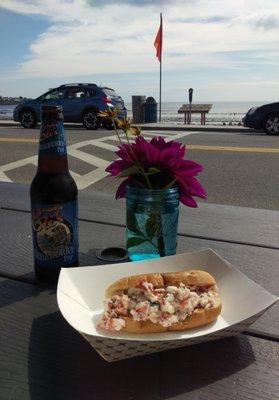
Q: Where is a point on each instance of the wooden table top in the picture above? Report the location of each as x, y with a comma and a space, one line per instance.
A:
42, 357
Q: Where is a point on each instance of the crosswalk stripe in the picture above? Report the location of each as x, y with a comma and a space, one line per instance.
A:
4, 177
19, 163
75, 150
88, 158
103, 145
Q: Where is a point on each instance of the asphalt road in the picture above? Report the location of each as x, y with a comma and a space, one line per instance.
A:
240, 169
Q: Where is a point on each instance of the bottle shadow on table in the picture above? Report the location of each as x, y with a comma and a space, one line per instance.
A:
14, 288
62, 365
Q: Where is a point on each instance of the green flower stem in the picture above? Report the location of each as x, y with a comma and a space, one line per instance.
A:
136, 160
161, 246
138, 163
159, 230
169, 185
159, 233
161, 242
116, 131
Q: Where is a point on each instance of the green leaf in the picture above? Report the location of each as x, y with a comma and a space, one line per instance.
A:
169, 185
134, 169
152, 171
151, 226
135, 241
132, 223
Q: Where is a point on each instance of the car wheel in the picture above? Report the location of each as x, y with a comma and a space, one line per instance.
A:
271, 124
91, 120
108, 125
28, 119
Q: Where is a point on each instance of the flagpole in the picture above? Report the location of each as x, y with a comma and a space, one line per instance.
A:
160, 93
158, 43
160, 85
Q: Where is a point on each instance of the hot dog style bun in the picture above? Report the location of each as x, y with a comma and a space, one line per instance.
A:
134, 281
160, 302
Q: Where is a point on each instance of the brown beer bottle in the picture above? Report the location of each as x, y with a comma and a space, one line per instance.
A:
54, 208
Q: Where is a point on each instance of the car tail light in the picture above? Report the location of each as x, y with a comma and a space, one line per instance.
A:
106, 99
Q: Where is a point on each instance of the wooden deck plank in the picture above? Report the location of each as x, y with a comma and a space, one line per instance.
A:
43, 358
16, 259
220, 222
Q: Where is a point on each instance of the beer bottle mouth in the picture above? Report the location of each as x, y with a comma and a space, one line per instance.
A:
52, 111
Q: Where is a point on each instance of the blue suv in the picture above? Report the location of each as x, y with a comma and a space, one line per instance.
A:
81, 103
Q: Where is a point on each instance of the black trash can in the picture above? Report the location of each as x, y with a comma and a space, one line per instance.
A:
151, 107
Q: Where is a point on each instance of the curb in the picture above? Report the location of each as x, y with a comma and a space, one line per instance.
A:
196, 128
9, 123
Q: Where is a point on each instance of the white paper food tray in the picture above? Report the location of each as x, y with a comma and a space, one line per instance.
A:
81, 292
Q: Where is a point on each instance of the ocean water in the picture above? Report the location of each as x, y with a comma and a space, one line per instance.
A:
6, 112
221, 112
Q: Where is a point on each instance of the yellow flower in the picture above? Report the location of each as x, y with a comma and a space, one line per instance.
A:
135, 130
126, 125
109, 114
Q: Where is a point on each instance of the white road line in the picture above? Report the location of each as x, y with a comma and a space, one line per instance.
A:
88, 179
4, 178
75, 150
19, 163
88, 158
103, 145
75, 175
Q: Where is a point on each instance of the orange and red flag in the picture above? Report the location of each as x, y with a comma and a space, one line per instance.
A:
158, 43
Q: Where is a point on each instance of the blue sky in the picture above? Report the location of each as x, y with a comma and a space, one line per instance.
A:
226, 50
16, 33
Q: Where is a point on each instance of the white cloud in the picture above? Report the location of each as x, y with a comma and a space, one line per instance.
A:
88, 39
106, 37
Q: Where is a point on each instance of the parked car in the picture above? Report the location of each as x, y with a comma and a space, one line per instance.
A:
81, 103
265, 117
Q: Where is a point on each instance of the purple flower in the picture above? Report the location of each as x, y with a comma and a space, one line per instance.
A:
121, 191
165, 157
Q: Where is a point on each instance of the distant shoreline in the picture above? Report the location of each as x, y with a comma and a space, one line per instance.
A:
10, 104
222, 113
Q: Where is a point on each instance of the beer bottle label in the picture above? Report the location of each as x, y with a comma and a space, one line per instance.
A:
55, 234
52, 138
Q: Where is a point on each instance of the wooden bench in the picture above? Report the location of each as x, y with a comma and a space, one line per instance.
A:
188, 109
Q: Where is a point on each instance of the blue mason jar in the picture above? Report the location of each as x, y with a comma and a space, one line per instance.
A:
151, 222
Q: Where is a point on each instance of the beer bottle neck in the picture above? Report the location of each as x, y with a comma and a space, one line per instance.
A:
52, 147
51, 163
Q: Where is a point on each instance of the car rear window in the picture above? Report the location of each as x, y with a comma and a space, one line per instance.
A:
93, 92
110, 92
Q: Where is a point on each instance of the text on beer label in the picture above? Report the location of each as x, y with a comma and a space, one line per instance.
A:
48, 131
